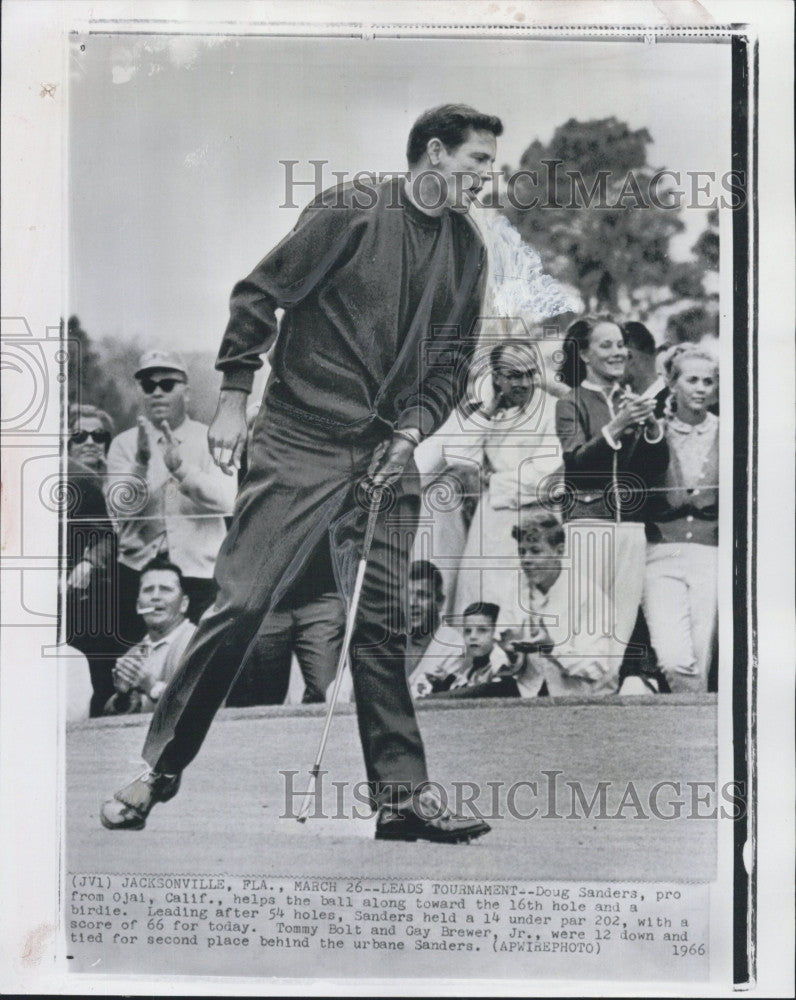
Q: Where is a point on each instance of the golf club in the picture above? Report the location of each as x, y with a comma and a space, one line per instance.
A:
375, 502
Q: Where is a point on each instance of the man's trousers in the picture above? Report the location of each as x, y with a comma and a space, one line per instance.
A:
313, 632
299, 493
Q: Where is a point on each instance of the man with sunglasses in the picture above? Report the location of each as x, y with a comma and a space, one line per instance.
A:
163, 489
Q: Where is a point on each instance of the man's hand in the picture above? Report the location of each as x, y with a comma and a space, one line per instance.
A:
128, 672
226, 436
422, 687
142, 452
390, 458
172, 455
506, 640
80, 576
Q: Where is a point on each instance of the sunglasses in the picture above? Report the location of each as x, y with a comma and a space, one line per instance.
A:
98, 437
166, 384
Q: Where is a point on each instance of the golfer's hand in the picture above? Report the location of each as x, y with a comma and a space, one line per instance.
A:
226, 437
142, 451
389, 461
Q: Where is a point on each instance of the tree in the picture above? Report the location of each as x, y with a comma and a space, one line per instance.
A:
594, 220
101, 374
697, 286
94, 374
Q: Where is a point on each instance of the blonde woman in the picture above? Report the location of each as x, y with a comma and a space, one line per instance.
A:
681, 584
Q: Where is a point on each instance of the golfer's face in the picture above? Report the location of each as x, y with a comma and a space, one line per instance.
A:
467, 168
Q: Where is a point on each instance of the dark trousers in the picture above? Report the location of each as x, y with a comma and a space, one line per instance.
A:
300, 490
505, 687
314, 632
92, 627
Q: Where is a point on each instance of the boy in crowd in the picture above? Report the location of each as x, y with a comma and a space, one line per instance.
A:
482, 665
570, 652
432, 646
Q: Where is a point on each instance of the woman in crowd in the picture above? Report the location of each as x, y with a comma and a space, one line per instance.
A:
90, 551
613, 450
680, 592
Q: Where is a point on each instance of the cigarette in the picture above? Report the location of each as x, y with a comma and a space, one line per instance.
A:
145, 611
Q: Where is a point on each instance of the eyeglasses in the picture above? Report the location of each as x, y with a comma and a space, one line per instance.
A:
98, 437
166, 384
515, 376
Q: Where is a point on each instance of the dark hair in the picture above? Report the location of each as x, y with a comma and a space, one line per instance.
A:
449, 123
573, 370
490, 611
423, 571
163, 565
540, 524
638, 337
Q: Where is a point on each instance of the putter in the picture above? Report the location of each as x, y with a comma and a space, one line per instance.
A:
349, 631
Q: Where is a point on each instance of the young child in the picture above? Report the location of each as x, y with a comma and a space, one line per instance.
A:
482, 663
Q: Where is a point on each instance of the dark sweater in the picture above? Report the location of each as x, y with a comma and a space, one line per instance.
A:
380, 304
600, 479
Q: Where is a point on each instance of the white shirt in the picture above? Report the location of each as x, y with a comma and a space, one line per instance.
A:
652, 390
468, 676
580, 649
694, 451
444, 655
154, 510
162, 658
518, 447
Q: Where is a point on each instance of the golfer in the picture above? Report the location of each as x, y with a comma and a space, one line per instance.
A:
381, 289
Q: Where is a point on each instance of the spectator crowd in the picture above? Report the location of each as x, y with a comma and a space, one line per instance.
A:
567, 545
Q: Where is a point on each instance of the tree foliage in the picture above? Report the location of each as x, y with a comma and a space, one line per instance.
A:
101, 373
98, 374
592, 218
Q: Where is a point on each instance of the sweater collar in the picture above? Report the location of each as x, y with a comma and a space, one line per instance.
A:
413, 212
586, 384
